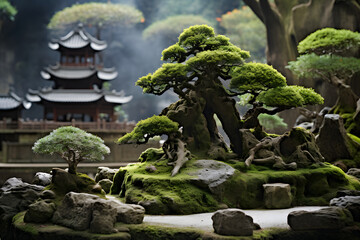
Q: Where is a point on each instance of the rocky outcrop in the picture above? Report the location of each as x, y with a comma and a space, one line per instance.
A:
211, 174
351, 203
105, 184
42, 178
81, 211
323, 219
40, 212
232, 222
15, 196
277, 195
333, 141
105, 173
354, 172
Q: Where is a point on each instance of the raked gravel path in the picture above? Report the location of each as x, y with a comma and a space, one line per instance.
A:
265, 218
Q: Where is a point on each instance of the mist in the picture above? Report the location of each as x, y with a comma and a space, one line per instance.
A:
24, 45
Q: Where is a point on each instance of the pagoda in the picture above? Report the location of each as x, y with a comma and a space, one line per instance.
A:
77, 92
11, 106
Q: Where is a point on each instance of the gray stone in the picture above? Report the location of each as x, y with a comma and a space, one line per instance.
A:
354, 172
42, 179
105, 173
151, 168
333, 141
326, 218
351, 203
277, 195
129, 213
105, 184
40, 212
211, 174
75, 210
48, 194
103, 218
343, 193
232, 222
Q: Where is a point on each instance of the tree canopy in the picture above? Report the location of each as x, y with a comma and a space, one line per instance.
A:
148, 128
73, 145
98, 15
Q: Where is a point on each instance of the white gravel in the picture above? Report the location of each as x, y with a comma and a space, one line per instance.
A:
264, 217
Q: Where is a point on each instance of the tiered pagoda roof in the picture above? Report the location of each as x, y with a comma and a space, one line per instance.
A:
12, 101
77, 39
77, 96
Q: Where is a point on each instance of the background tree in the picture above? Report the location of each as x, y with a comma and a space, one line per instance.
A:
168, 30
200, 62
288, 22
174, 148
328, 54
73, 145
246, 31
97, 15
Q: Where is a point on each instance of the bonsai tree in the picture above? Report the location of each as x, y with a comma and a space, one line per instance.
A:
98, 15
73, 145
174, 148
200, 62
331, 55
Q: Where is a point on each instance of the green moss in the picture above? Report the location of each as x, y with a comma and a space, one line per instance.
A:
151, 154
18, 221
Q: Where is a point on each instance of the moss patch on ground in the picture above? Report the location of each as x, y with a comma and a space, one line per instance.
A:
161, 194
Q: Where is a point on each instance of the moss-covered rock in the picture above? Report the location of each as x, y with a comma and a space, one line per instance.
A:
161, 194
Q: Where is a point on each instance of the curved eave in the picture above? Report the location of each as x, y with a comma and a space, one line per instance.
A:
68, 74
98, 47
107, 75
45, 75
53, 46
117, 99
26, 105
33, 98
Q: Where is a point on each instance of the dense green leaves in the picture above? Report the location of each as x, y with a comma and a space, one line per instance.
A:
150, 127
168, 76
96, 14
314, 66
329, 40
289, 96
256, 77
66, 141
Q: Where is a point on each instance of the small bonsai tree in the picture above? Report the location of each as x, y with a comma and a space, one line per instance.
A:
331, 55
73, 145
174, 148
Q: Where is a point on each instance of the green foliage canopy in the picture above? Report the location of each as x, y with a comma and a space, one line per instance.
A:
73, 145
148, 128
329, 41
170, 28
96, 14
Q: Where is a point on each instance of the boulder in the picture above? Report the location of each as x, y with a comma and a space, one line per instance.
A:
105, 184
15, 196
343, 193
105, 173
354, 172
128, 213
40, 212
323, 219
277, 195
103, 217
232, 222
48, 194
42, 178
351, 203
333, 141
211, 174
75, 211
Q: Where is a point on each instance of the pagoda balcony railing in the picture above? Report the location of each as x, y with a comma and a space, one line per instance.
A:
49, 125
